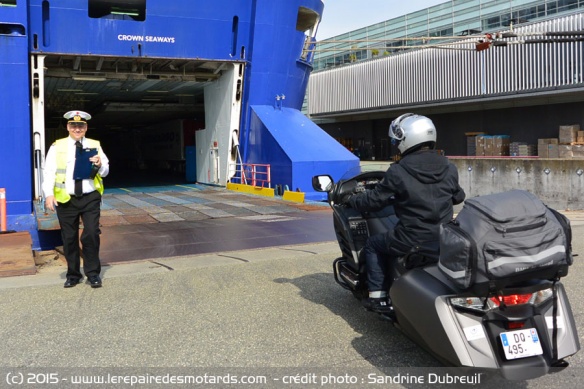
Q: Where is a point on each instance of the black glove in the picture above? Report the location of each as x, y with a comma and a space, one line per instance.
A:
345, 200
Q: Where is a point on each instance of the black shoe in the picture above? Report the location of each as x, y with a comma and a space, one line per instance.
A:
71, 282
380, 305
94, 281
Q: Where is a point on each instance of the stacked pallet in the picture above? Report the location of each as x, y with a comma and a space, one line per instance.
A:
471, 147
522, 149
548, 148
569, 144
492, 145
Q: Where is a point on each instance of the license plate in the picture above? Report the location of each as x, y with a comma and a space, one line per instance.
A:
521, 343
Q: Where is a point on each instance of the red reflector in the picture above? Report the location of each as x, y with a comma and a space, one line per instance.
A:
512, 299
513, 325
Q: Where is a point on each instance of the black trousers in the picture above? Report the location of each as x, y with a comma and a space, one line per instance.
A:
376, 253
87, 208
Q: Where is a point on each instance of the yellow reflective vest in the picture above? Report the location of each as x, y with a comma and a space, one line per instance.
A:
60, 191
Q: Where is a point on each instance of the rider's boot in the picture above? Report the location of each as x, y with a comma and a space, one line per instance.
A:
378, 304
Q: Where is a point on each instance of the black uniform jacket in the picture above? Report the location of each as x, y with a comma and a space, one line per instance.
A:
423, 187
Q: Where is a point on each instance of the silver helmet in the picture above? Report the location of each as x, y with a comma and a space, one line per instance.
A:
411, 130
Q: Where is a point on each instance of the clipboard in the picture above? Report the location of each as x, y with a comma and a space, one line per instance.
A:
83, 165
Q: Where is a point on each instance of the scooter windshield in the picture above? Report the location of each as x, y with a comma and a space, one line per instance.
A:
365, 167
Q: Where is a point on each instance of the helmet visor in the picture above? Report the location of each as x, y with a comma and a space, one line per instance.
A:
396, 133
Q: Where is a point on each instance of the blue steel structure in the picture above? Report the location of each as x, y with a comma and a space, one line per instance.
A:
267, 36
15, 128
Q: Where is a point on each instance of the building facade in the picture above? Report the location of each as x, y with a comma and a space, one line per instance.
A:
522, 83
449, 19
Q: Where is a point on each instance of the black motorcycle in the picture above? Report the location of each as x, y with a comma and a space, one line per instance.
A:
524, 332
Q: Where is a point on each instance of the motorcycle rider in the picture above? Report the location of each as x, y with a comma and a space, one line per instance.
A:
423, 187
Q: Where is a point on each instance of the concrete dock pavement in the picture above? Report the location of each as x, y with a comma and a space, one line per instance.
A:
54, 273
270, 312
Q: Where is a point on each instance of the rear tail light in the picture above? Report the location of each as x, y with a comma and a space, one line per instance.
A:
482, 304
512, 299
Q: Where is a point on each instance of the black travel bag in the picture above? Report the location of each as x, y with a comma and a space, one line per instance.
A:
504, 239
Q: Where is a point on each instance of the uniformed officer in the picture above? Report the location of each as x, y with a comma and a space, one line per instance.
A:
77, 198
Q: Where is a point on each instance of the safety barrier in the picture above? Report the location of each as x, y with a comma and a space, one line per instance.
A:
254, 174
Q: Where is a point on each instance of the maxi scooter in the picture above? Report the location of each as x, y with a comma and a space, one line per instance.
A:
458, 328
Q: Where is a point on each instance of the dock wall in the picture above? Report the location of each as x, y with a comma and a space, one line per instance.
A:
558, 182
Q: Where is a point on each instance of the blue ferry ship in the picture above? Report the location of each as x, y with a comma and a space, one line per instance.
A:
190, 89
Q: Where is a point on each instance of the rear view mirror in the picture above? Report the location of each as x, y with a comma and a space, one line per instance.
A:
322, 183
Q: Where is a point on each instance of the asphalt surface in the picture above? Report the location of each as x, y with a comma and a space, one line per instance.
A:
230, 316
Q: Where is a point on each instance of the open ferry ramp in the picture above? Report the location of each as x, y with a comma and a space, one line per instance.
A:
165, 221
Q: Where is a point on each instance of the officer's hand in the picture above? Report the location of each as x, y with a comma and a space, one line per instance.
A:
96, 160
51, 203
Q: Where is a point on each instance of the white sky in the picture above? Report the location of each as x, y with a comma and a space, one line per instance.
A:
340, 16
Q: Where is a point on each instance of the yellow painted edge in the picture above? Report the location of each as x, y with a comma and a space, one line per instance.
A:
297, 197
256, 190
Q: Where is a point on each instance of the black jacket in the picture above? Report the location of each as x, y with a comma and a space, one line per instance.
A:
425, 187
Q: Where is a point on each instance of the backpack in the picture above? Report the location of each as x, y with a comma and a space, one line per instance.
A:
504, 239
